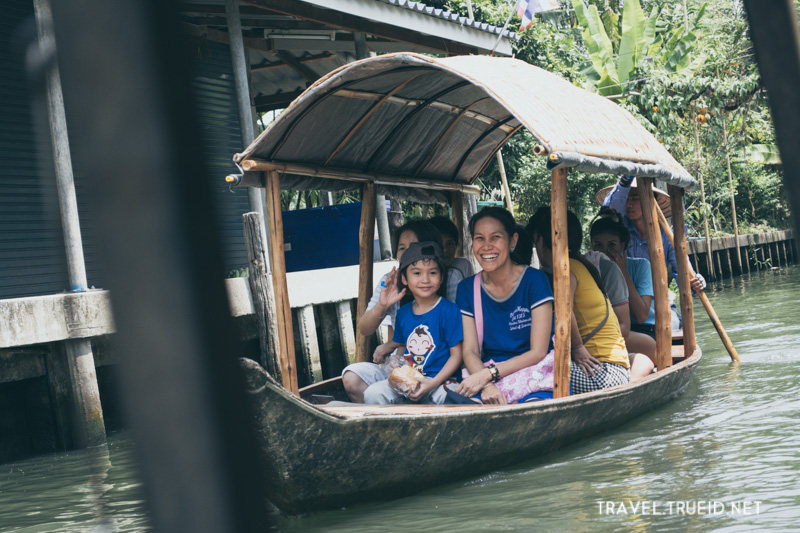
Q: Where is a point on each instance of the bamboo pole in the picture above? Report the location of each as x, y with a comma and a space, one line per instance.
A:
684, 271
561, 292
658, 266
726, 341
366, 237
504, 181
286, 357
730, 185
709, 261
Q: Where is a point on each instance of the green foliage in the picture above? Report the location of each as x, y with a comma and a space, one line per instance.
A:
667, 76
237, 273
666, 45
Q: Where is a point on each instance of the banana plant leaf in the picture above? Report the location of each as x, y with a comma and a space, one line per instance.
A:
676, 53
650, 27
601, 51
633, 39
766, 154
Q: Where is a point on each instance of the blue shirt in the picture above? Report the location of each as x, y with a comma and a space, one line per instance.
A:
507, 322
428, 337
637, 247
639, 270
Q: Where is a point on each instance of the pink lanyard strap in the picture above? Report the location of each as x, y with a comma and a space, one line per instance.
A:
478, 306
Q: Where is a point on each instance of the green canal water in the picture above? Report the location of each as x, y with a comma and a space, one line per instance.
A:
723, 457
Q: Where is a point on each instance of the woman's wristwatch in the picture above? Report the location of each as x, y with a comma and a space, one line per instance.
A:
495, 372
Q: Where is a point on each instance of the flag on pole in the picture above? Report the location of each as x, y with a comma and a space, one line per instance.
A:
527, 8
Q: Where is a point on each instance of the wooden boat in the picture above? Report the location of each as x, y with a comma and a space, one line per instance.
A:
423, 128
318, 457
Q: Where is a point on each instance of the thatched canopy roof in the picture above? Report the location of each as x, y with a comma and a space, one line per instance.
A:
415, 118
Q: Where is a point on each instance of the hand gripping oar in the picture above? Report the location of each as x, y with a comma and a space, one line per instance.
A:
701, 294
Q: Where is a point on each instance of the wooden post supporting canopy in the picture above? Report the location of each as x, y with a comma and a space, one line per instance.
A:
286, 357
561, 292
659, 269
366, 237
684, 276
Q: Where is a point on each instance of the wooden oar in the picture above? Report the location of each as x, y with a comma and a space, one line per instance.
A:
701, 294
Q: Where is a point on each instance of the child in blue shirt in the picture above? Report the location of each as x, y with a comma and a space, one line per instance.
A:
428, 329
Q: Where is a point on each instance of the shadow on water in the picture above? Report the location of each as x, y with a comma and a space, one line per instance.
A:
730, 441
92, 490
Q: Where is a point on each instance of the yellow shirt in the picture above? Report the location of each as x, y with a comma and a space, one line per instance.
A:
590, 306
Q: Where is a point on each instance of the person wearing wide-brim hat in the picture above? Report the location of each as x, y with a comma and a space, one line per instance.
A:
624, 198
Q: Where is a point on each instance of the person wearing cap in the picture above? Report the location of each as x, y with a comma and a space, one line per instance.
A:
428, 329
382, 308
623, 198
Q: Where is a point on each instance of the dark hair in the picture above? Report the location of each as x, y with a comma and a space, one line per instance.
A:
424, 230
506, 219
609, 221
524, 248
441, 291
540, 224
445, 227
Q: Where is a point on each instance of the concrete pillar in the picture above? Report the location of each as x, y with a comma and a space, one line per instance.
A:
87, 426
241, 71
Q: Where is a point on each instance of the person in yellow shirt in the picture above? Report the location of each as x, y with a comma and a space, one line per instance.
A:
599, 356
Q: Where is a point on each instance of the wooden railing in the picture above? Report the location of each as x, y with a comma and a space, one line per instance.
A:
324, 314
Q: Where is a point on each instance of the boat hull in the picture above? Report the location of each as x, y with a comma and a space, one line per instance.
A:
314, 460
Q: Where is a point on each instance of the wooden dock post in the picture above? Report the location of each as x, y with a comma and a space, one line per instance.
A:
347, 335
684, 275
728, 259
286, 356
747, 253
561, 292
263, 292
334, 357
307, 329
366, 238
658, 266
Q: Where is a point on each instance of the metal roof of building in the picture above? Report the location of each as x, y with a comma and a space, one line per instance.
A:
292, 43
